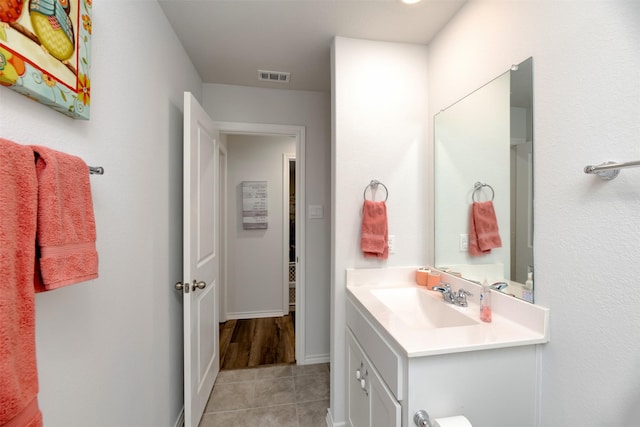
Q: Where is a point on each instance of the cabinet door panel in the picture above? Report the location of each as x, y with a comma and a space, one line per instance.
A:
358, 399
385, 410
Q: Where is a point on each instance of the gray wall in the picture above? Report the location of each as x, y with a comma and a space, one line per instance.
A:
586, 108
110, 350
380, 132
256, 261
311, 110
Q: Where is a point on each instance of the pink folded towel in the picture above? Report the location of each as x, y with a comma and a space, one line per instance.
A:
374, 240
483, 229
18, 206
66, 232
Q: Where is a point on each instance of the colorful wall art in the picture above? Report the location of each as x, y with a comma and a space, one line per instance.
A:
45, 52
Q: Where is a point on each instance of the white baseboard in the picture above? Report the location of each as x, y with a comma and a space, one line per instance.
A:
313, 359
255, 314
331, 423
180, 421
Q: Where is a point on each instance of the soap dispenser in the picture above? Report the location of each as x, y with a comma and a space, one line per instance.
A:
527, 289
485, 302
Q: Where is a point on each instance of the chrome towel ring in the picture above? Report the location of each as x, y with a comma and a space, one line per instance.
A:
374, 186
478, 187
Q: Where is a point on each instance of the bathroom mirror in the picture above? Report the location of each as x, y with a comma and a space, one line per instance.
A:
487, 138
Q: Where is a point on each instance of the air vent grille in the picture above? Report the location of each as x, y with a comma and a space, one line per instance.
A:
273, 76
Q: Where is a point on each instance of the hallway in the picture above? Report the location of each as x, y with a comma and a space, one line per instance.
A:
249, 343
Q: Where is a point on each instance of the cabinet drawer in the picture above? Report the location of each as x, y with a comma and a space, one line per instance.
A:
386, 360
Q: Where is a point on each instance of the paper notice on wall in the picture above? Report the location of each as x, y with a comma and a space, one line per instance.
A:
254, 205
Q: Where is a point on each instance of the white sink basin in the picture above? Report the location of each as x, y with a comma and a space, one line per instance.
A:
419, 309
422, 324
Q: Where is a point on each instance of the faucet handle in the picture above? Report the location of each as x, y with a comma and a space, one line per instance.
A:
464, 292
461, 297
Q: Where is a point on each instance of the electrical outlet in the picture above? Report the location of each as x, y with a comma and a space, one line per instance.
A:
392, 244
464, 243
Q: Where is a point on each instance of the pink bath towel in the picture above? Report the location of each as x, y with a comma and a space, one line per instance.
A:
374, 239
483, 229
66, 233
18, 205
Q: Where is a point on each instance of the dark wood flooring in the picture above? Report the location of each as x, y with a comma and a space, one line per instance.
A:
248, 343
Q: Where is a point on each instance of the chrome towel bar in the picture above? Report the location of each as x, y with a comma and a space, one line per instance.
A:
609, 170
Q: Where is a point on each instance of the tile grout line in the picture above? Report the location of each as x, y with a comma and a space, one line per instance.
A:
295, 396
253, 397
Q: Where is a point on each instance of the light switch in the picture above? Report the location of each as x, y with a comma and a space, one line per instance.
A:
316, 212
464, 242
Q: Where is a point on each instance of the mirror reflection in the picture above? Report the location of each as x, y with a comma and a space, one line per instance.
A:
484, 184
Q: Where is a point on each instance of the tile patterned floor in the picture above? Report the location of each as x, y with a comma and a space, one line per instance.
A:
270, 396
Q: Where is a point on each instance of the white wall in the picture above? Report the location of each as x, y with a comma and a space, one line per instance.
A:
380, 132
586, 109
256, 258
311, 110
110, 351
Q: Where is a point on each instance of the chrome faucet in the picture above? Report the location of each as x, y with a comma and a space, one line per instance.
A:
447, 292
456, 298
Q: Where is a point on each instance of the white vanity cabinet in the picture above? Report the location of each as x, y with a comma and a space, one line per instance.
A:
386, 385
370, 402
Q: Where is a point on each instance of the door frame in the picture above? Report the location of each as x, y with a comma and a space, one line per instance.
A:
298, 132
221, 192
286, 159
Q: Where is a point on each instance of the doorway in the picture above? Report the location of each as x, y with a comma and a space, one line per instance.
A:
249, 322
289, 174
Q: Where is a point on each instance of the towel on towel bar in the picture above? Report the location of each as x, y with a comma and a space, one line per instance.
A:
374, 240
483, 229
18, 207
66, 232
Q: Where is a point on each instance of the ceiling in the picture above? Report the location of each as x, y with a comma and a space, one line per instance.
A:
228, 41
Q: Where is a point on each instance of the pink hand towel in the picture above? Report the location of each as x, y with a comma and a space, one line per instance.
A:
374, 240
483, 229
66, 233
18, 206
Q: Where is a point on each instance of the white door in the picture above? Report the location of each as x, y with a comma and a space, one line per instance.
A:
200, 271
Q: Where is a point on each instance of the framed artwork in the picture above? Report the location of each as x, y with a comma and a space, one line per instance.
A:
254, 205
45, 52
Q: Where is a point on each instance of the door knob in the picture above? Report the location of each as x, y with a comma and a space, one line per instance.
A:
181, 287
198, 285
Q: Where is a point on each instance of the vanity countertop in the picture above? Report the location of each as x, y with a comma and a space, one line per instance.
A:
514, 322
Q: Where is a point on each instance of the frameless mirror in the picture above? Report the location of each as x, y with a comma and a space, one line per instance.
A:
483, 152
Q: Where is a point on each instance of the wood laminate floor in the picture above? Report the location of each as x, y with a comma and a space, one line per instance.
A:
248, 343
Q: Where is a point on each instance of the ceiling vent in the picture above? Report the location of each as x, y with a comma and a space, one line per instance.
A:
273, 76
